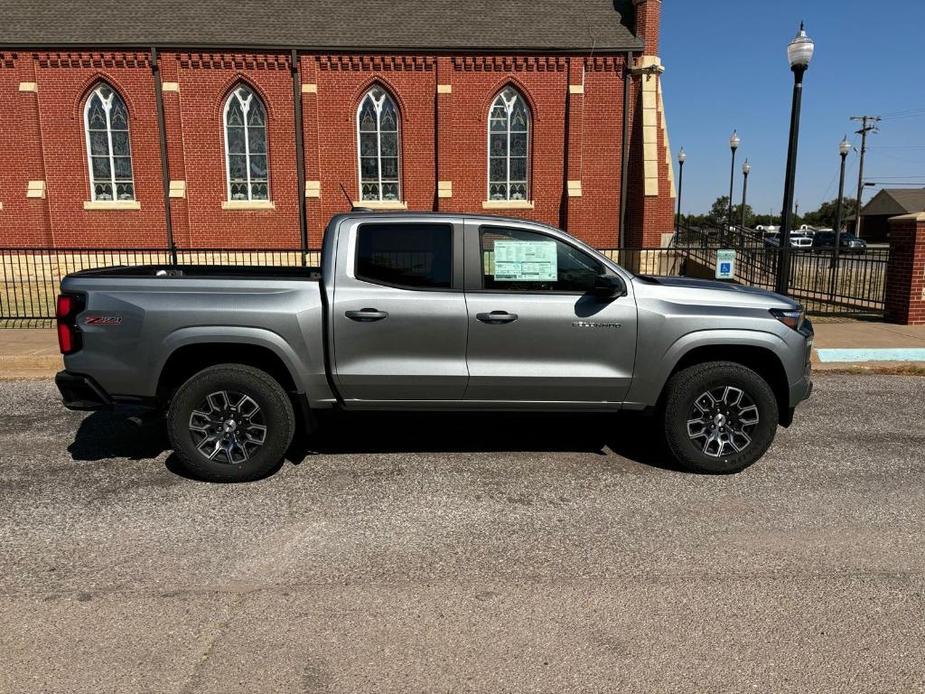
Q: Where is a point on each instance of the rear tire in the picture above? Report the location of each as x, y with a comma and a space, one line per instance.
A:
719, 417
230, 423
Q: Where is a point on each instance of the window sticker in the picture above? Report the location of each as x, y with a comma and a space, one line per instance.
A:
526, 261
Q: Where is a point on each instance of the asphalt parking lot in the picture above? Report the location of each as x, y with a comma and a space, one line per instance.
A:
447, 553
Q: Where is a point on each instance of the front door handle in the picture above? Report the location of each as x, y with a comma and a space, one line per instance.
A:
497, 317
367, 315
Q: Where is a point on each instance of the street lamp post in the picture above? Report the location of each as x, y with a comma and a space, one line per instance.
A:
682, 157
843, 149
746, 169
734, 143
799, 53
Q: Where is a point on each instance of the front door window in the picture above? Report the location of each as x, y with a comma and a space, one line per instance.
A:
514, 260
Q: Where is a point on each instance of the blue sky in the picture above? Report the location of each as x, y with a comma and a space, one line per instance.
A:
726, 68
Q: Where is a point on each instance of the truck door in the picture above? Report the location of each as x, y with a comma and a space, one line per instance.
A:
537, 333
398, 315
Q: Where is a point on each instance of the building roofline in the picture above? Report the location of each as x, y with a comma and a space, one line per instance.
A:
254, 48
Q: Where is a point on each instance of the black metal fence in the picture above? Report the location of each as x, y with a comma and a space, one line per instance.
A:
854, 283
29, 278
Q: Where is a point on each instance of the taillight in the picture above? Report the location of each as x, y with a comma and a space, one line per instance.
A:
66, 335
65, 306
66, 310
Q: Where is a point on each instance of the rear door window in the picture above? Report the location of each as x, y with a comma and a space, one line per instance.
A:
405, 255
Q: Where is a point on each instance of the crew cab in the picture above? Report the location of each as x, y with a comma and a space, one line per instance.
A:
420, 311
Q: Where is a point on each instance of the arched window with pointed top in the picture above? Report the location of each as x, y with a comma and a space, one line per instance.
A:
246, 164
508, 146
109, 151
378, 127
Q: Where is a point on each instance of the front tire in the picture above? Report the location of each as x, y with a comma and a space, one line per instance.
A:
719, 417
230, 423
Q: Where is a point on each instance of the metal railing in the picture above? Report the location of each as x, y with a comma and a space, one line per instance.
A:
855, 285
30, 278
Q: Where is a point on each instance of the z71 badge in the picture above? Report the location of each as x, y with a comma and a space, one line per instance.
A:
102, 320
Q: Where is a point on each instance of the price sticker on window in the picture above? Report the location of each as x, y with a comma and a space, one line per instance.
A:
526, 261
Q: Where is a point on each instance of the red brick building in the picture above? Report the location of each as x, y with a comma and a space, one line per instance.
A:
249, 125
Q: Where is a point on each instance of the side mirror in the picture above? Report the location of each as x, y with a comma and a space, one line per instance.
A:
608, 287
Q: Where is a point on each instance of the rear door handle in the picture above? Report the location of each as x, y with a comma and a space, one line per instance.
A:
497, 317
367, 315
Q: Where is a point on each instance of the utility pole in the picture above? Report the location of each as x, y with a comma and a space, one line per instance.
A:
868, 125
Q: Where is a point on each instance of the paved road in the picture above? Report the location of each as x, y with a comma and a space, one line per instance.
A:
479, 553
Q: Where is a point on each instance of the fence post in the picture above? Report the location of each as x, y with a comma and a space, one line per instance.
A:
905, 273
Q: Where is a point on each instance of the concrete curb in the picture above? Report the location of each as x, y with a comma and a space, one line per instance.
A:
898, 368
29, 367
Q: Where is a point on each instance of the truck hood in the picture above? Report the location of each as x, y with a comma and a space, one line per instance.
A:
693, 291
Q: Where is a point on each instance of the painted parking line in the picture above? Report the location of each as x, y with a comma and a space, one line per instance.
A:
858, 355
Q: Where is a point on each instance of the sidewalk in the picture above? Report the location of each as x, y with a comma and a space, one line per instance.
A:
856, 347
862, 347
29, 353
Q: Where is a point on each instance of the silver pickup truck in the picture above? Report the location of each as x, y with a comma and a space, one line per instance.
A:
417, 311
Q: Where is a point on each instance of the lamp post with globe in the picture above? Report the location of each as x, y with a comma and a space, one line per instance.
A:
800, 54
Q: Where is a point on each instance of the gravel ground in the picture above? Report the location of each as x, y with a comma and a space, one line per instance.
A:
467, 553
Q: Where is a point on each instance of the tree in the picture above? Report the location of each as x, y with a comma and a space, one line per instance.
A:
825, 215
719, 213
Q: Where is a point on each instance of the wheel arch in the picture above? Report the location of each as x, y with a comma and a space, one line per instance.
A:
187, 354
761, 359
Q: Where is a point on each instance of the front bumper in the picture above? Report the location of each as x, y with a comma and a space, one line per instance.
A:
79, 392
803, 388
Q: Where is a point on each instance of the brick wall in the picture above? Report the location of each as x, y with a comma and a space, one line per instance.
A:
576, 103
905, 276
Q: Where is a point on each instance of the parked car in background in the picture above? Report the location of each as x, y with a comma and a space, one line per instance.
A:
413, 311
825, 241
799, 241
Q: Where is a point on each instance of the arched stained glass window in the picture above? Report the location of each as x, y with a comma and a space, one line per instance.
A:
508, 147
378, 146
109, 152
246, 165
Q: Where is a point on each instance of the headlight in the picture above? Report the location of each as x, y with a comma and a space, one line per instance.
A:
792, 318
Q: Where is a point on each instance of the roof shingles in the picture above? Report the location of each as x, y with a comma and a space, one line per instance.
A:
895, 201
503, 25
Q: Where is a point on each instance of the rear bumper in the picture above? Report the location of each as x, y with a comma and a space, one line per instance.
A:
79, 392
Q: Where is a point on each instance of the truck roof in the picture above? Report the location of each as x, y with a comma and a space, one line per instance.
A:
361, 213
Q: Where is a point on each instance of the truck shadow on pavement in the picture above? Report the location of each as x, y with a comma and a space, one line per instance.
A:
631, 436
120, 433
133, 435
